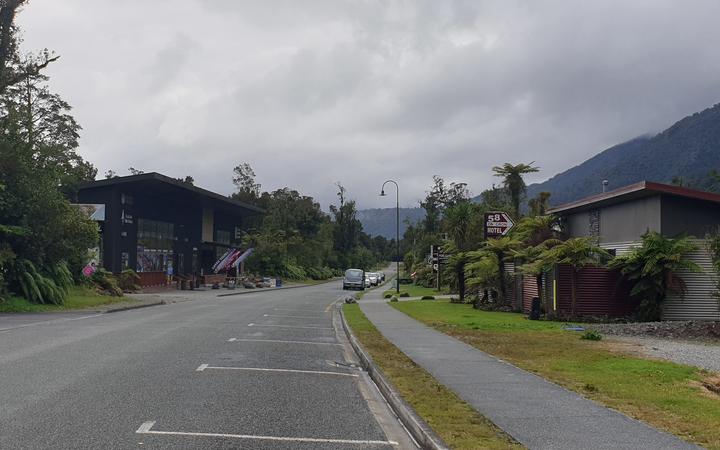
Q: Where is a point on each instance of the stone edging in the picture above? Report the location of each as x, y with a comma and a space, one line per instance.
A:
420, 431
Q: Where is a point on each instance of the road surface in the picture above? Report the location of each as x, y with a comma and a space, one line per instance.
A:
256, 371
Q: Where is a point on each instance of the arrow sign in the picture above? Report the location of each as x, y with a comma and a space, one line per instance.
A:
497, 224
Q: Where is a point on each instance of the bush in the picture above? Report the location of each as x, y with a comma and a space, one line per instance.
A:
51, 287
427, 297
106, 283
388, 295
591, 335
129, 281
404, 294
393, 299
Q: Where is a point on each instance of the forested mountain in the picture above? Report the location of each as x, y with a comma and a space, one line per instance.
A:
381, 221
684, 153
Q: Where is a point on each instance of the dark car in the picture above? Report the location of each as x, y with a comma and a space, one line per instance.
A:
354, 279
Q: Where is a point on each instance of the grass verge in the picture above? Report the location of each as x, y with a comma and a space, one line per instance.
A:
669, 396
456, 422
78, 298
413, 290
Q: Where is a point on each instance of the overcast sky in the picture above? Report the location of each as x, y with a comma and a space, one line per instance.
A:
315, 92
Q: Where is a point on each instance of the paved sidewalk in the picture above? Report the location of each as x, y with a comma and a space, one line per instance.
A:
539, 414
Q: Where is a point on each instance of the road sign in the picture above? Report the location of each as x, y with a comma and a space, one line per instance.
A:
497, 224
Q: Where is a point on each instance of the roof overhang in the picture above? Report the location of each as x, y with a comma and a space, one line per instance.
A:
632, 192
159, 183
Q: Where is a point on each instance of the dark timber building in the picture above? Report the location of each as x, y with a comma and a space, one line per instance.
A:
152, 221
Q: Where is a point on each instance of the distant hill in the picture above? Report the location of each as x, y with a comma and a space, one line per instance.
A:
689, 150
381, 221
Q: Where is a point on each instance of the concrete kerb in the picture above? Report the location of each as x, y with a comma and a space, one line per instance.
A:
421, 431
129, 307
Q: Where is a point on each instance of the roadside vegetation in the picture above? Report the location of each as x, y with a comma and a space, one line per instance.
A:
456, 422
413, 290
78, 297
680, 399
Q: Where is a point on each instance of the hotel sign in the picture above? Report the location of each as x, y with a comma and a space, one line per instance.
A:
497, 224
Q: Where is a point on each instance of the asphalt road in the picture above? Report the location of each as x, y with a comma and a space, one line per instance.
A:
257, 371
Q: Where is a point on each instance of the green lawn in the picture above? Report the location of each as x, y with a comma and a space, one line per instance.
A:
667, 395
412, 289
456, 422
78, 298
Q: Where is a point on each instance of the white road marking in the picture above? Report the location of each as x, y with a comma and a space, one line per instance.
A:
283, 342
251, 324
204, 367
44, 322
145, 428
290, 326
292, 317
296, 310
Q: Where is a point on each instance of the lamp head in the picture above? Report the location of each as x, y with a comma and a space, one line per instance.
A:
382, 193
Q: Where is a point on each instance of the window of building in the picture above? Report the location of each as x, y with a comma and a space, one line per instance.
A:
222, 237
155, 245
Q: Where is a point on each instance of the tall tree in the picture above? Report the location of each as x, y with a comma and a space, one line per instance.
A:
244, 180
513, 181
459, 220
539, 204
13, 69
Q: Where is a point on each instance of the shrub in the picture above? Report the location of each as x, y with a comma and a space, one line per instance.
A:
404, 294
591, 335
427, 297
129, 281
51, 287
388, 295
106, 283
393, 299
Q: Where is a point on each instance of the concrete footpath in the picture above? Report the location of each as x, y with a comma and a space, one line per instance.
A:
536, 412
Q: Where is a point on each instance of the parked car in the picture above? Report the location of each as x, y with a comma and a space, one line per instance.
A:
354, 279
382, 276
367, 281
374, 279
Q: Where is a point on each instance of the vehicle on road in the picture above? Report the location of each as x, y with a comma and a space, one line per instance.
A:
374, 279
354, 279
367, 281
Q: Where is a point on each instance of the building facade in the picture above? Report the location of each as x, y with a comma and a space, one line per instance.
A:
619, 218
152, 221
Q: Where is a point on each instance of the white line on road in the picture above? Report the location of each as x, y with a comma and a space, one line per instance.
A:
146, 428
283, 342
288, 326
296, 310
251, 324
204, 367
44, 322
292, 317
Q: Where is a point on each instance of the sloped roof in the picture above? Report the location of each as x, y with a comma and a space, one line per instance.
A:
632, 192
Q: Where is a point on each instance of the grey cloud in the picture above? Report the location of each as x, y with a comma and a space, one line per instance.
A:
314, 92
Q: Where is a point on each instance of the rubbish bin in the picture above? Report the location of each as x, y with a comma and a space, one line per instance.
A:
535, 309
278, 282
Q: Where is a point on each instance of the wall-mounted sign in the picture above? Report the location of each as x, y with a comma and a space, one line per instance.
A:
497, 224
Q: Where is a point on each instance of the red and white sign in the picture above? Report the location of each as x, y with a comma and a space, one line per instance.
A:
497, 224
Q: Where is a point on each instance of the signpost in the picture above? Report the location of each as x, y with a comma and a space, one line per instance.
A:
437, 259
497, 224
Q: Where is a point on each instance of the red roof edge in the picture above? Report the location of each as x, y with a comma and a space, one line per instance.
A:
646, 187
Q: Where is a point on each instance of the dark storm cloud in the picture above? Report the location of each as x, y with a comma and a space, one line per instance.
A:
314, 92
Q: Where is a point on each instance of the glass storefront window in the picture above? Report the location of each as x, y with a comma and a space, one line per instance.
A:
155, 247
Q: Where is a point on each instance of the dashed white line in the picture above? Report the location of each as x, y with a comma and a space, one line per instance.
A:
204, 367
292, 317
283, 342
146, 428
288, 326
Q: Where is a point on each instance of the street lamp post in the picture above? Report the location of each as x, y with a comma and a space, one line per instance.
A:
397, 228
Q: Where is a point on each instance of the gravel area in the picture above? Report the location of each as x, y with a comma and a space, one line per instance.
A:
703, 355
688, 330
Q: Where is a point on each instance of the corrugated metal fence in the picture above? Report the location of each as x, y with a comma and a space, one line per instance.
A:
699, 303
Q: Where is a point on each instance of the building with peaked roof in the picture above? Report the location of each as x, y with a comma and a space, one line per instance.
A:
152, 221
618, 219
